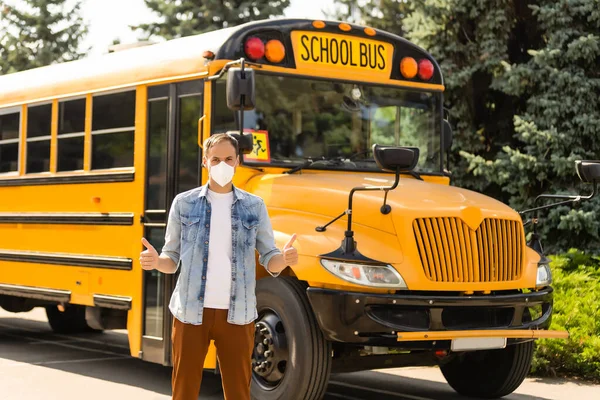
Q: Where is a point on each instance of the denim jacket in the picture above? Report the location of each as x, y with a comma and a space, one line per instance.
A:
186, 243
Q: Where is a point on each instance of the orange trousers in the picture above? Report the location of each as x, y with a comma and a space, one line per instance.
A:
234, 345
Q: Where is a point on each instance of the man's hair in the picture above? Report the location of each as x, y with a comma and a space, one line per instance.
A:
218, 138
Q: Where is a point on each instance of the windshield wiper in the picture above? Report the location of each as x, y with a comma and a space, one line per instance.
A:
297, 168
415, 175
309, 162
333, 162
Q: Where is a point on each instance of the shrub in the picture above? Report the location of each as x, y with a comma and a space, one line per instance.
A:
577, 310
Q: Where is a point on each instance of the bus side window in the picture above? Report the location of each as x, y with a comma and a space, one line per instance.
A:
9, 141
71, 135
113, 127
39, 121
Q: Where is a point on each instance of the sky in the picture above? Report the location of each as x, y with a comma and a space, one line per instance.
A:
110, 19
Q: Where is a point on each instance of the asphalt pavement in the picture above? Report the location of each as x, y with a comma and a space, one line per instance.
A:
36, 364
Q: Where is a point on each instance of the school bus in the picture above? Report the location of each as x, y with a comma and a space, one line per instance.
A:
342, 135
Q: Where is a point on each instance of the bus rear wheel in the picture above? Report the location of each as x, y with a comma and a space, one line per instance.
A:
489, 374
71, 320
291, 358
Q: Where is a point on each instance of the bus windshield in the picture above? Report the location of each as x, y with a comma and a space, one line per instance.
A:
335, 124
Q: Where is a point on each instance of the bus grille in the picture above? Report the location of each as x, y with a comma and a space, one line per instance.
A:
451, 252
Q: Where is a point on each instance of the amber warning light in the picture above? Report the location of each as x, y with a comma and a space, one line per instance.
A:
274, 51
408, 67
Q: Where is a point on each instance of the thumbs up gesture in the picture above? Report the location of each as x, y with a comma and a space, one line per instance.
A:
290, 254
148, 257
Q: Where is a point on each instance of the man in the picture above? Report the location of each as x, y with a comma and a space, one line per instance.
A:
212, 233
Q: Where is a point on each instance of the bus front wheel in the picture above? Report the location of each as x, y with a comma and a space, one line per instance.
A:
489, 374
291, 358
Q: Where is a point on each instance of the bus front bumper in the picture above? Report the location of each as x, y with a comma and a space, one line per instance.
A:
418, 320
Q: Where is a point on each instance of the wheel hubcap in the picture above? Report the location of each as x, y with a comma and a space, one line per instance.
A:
270, 355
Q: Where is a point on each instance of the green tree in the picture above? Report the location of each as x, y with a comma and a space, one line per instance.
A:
180, 18
559, 123
38, 33
380, 14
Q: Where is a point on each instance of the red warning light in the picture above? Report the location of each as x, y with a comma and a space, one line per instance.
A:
254, 48
425, 70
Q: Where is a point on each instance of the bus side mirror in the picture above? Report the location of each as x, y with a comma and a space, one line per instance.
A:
240, 89
390, 158
447, 132
588, 171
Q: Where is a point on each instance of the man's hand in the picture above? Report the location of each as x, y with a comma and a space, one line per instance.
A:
149, 257
290, 254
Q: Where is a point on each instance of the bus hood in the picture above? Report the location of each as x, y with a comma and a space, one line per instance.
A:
326, 195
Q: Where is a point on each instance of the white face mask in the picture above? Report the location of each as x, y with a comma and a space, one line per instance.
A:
221, 173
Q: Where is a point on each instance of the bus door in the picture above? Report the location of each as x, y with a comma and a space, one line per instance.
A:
173, 166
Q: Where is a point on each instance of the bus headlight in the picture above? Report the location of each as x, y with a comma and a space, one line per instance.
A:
364, 274
544, 275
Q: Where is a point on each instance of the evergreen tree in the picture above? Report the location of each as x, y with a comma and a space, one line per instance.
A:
39, 33
187, 17
471, 41
560, 122
522, 88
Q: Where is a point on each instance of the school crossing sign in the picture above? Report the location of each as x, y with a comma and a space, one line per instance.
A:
260, 150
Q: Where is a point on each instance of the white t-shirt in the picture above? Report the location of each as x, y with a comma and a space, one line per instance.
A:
218, 275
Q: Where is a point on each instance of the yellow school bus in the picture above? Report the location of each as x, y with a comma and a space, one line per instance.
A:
343, 137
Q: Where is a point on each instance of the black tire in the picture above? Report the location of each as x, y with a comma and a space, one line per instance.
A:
72, 320
286, 319
489, 374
